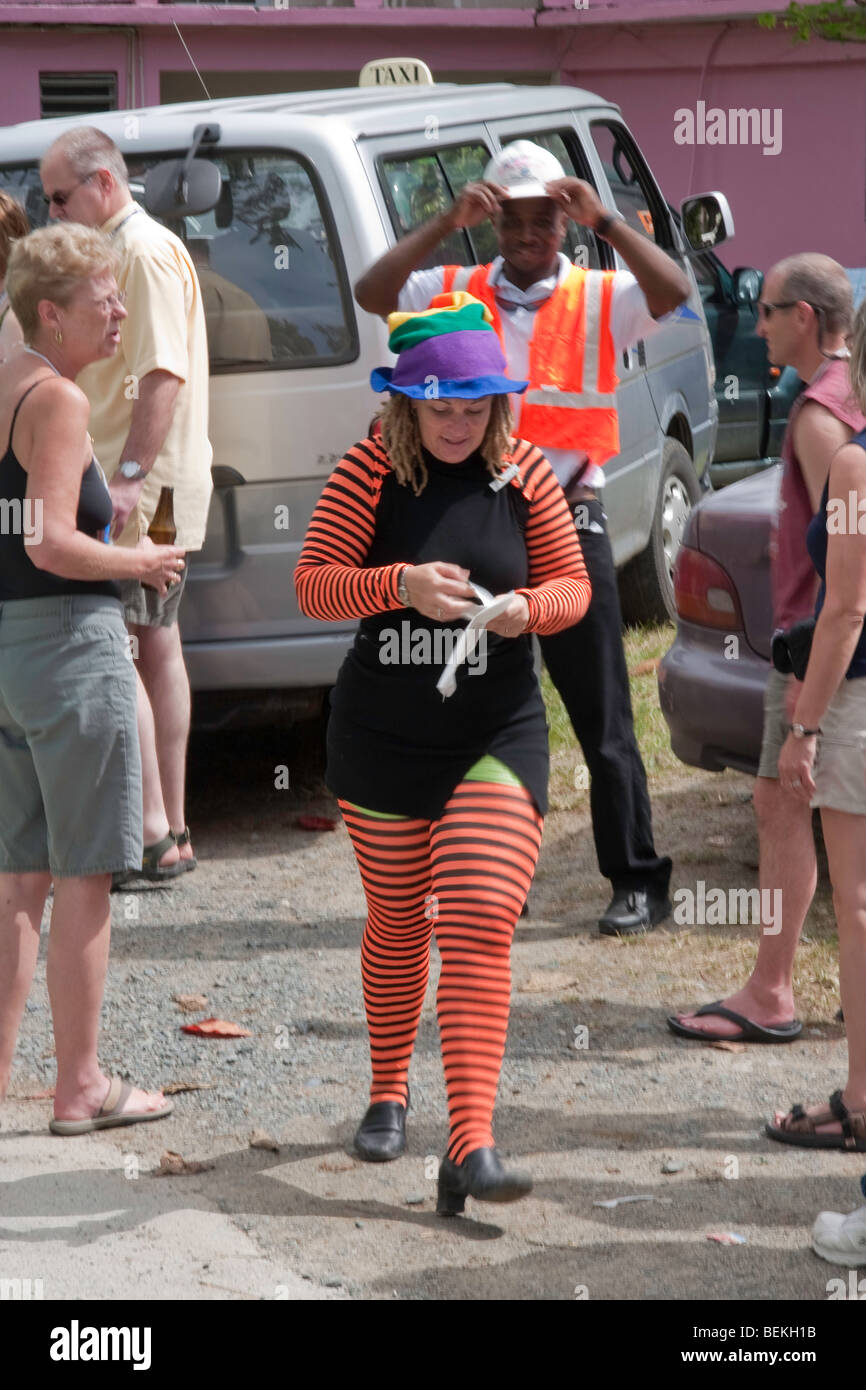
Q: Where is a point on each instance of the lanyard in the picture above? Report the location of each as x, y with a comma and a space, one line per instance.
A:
115, 230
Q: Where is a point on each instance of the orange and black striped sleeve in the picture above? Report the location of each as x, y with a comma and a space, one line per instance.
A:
330, 581
559, 588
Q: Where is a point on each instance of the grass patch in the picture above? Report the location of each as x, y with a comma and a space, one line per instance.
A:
644, 648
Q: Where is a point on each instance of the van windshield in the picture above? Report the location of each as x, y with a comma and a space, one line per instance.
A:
274, 292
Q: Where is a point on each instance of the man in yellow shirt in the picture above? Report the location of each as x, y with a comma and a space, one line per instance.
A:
148, 418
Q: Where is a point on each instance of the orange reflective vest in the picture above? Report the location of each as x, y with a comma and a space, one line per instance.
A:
570, 402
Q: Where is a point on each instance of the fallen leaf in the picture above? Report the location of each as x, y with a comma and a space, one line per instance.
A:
260, 1140
172, 1165
723, 1045
331, 1165
190, 1003
315, 823
174, 1088
216, 1028
645, 668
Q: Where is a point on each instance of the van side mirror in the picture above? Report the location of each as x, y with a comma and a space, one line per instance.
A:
748, 284
184, 187
707, 221
177, 189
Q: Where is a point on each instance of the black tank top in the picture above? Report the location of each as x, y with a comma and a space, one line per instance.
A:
21, 518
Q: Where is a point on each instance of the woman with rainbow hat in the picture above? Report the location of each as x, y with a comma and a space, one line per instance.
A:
443, 795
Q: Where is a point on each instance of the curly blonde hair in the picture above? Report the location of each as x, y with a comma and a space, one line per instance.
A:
402, 439
52, 263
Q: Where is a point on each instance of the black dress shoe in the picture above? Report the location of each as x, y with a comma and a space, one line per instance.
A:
480, 1175
381, 1134
632, 911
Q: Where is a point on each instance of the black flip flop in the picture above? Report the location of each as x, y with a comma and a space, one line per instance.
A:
749, 1031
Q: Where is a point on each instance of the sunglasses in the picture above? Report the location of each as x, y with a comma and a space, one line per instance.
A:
61, 199
768, 309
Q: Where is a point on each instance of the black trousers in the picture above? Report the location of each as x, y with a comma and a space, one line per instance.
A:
587, 665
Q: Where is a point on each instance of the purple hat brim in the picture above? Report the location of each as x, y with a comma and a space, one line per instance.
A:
461, 389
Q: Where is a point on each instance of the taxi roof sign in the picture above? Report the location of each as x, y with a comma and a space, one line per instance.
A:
395, 72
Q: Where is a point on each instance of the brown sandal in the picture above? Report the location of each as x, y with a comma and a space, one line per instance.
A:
181, 838
801, 1129
111, 1112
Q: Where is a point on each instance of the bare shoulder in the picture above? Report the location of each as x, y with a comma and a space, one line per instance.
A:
817, 423
58, 396
848, 467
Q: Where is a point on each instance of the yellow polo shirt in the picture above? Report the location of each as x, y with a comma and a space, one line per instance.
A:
165, 330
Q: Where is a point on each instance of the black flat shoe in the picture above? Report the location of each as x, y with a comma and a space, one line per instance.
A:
633, 911
482, 1176
381, 1134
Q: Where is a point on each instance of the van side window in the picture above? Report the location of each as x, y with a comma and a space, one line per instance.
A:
417, 186
580, 243
634, 191
714, 281
274, 292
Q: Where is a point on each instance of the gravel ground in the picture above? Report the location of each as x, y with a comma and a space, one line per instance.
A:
268, 930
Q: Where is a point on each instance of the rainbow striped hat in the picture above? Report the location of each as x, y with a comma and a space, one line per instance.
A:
449, 350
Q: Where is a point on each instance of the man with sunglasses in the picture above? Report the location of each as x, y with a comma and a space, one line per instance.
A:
804, 313
148, 418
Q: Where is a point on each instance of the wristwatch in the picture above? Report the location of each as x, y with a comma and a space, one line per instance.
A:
605, 222
800, 731
131, 471
402, 591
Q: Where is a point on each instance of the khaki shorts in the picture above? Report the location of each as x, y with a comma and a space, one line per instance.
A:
775, 724
146, 607
70, 770
840, 760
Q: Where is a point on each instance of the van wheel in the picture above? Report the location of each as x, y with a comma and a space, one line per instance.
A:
646, 584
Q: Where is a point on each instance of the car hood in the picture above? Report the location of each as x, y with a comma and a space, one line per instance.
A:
734, 528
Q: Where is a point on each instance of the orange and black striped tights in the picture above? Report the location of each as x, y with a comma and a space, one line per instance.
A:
465, 877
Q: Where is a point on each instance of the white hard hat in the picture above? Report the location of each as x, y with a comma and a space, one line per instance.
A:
524, 168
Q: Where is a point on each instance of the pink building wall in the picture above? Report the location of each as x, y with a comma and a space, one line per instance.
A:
653, 57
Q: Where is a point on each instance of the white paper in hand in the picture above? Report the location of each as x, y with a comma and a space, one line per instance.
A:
481, 615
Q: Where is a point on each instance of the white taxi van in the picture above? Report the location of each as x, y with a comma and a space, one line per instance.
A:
288, 199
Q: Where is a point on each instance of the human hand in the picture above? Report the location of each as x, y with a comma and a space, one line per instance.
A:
124, 496
578, 198
795, 767
439, 590
475, 203
161, 565
513, 620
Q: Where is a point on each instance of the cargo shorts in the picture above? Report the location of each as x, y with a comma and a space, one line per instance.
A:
146, 608
70, 768
839, 771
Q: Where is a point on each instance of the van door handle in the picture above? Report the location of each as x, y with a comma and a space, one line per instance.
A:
641, 352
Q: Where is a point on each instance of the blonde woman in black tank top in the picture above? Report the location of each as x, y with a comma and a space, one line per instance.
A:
70, 780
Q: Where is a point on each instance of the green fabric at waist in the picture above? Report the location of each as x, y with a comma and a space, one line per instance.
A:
487, 769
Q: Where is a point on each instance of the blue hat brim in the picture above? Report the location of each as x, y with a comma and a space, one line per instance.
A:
466, 390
